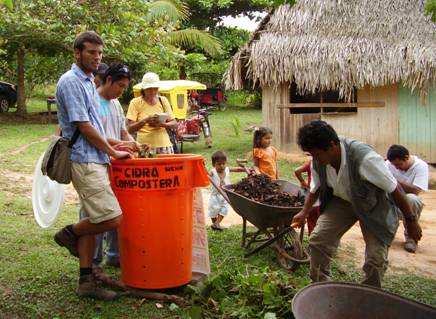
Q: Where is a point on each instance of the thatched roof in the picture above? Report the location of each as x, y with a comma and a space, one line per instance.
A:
341, 45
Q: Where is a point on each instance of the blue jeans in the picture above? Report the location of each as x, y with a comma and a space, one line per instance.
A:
111, 237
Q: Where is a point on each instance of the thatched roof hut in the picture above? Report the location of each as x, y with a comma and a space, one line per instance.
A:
366, 66
340, 45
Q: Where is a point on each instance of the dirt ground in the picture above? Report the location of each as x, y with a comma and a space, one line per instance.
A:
400, 261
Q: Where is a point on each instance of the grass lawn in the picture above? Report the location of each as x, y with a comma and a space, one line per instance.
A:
38, 279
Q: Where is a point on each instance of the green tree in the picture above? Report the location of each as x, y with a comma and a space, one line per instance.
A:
188, 39
211, 71
21, 30
209, 13
47, 28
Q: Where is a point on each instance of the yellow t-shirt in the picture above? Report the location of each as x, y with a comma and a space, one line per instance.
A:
139, 109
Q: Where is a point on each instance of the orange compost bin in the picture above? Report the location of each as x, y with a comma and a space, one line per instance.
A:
155, 235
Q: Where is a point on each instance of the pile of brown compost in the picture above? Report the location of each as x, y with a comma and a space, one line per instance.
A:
261, 188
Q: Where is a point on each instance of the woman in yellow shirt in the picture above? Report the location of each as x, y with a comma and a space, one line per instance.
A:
141, 116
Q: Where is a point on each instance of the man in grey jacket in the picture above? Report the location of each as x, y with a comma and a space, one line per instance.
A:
353, 184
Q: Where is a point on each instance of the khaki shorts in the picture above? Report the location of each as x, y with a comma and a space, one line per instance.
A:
91, 182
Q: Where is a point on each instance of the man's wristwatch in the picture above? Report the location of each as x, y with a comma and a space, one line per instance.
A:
410, 218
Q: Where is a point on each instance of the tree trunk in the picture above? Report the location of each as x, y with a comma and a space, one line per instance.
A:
21, 94
182, 72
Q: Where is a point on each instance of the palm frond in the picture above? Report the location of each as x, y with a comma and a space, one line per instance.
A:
192, 38
175, 10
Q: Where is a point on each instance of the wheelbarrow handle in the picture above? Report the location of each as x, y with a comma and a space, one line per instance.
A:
219, 189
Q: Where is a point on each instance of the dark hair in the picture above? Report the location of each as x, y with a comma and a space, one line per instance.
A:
87, 36
117, 71
317, 134
218, 156
397, 152
101, 70
260, 132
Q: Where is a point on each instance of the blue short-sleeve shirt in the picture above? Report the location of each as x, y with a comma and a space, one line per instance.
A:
77, 101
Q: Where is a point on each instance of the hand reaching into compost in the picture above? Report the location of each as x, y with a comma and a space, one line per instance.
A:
144, 150
251, 171
122, 147
129, 146
122, 154
144, 146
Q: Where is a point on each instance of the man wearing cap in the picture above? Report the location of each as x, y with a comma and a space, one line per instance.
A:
141, 116
77, 100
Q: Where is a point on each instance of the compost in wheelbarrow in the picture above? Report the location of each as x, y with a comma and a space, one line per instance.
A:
263, 215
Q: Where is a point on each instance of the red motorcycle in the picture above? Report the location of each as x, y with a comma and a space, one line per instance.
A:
213, 97
190, 129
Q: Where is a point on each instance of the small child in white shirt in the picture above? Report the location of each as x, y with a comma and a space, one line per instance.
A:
220, 174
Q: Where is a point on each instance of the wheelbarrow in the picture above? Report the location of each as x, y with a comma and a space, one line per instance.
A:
336, 300
272, 223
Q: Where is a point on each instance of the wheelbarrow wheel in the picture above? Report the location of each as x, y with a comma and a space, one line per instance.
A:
284, 262
290, 251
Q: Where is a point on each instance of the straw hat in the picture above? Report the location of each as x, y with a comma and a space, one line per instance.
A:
149, 80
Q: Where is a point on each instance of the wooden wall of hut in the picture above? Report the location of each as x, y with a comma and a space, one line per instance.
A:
276, 116
273, 115
417, 131
376, 126
402, 120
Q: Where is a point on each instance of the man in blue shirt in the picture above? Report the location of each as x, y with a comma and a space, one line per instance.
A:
112, 84
78, 100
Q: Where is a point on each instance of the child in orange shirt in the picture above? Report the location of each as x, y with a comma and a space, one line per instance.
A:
264, 155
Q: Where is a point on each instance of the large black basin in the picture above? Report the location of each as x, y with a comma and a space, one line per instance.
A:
335, 300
